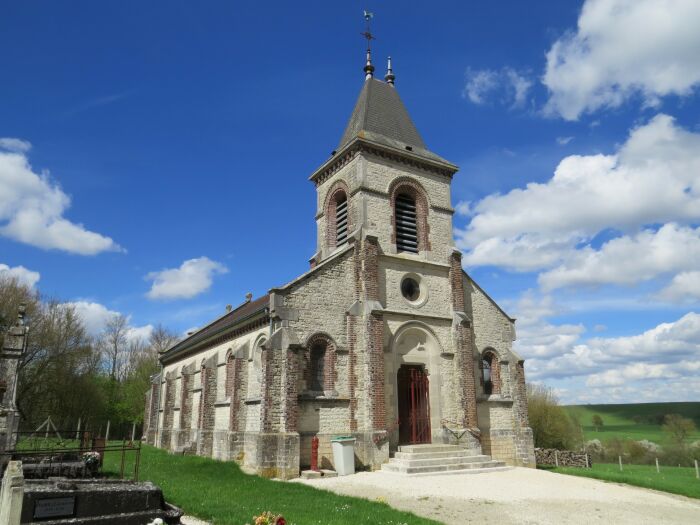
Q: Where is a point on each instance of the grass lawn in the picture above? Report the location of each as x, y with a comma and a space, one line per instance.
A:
218, 491
619, 422
677, 480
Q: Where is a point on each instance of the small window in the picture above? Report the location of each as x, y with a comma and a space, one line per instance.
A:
490, 373
406, 224
486, 371
341, 219
317, 365
410, 289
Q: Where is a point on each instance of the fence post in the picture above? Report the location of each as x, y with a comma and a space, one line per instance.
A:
77, 432
588, 462
107, 432
657, 466
133, 431
556, 458
619, 459
697, 471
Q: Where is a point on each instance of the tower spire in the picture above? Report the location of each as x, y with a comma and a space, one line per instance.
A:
369, 68
389, 77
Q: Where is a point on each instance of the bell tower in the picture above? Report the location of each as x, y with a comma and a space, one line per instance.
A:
382, 178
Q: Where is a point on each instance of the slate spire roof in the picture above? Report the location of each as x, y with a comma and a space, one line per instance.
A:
380, 116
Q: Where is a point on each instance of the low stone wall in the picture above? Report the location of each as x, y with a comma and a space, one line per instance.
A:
562, 458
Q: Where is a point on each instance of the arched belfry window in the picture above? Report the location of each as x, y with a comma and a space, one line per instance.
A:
341, 218
410, 230
406, 223
337, 212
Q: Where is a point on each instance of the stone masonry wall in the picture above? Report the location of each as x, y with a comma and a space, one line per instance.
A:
562, 458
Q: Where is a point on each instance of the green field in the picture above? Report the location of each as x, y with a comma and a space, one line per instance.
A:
633, 421
218, 491
677, 480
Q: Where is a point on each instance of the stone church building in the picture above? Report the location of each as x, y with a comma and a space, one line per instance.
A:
385, 338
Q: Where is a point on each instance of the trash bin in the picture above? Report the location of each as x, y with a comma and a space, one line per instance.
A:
344, 454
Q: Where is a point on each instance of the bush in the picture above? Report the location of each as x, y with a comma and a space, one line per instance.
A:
551, 426
636, 452
594, 448
677, 455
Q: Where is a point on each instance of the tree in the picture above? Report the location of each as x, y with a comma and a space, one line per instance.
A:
143, 363
58, 369
551, 426
597, 422
115, 346
679, 428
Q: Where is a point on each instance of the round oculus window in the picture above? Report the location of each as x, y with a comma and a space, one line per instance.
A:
410, 289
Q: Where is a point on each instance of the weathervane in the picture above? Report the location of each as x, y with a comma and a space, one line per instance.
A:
369, 68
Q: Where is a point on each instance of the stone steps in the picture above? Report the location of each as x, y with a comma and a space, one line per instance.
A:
463, 453
440, 459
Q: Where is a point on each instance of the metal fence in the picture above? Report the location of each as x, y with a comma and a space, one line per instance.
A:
67, 453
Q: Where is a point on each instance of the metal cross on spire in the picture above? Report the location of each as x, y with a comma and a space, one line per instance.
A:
369, 68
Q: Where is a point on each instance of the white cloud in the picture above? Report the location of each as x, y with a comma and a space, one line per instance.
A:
653, 178
631, 372
621, 49
23, 275
683, 287
32, 208
629, 259
563, 141
15, 145
676, 345
95, 317
508, 85
536, 337
193, 277
653, 365
479, 84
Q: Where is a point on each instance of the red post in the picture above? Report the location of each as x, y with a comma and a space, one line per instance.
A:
314, 453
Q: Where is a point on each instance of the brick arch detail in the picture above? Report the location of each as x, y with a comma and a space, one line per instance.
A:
329, 210
329, 359
207, 396
186, 398
409, 186
495, 369
234, 387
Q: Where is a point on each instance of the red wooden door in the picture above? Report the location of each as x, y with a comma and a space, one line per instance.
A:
414, 405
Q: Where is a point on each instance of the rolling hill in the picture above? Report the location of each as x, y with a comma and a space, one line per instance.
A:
633, 421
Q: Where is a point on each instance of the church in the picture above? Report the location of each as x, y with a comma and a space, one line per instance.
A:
385, 338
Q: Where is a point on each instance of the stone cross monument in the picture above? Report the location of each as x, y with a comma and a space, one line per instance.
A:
13, 348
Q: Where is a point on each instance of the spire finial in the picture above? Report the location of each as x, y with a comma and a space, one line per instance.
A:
389, 77
369, 68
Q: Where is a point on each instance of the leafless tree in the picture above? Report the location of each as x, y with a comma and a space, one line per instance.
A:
114, 345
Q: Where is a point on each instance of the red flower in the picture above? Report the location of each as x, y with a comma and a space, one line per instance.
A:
281, 521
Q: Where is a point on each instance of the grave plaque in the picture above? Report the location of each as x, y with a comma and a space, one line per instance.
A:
54, 507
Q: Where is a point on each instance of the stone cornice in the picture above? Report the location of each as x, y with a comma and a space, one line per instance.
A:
344, 156
229, 334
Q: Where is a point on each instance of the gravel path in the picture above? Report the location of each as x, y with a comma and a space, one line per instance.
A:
520, 495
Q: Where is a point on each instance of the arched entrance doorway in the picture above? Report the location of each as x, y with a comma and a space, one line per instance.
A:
413, 390
413, 382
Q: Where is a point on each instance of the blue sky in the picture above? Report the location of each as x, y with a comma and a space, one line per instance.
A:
155, 156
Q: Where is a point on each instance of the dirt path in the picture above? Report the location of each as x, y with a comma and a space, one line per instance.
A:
522, 496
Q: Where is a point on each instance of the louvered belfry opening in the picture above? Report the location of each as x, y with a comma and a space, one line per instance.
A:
406, 224
341, 220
